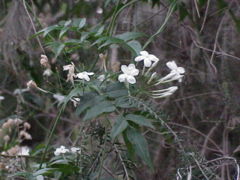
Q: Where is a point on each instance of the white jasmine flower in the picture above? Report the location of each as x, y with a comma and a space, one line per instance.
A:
24, 151
101, 77
59, 97
146, 58
176, 73
75, 150
164, 92
174, 68
47, 72
60, 150
70, 68
172, 76
128, 74
2, 98
85, 75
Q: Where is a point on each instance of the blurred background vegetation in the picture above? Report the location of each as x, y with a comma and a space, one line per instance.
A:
201, 35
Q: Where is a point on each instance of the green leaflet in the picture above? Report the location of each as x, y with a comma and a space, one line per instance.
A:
98, 109
87, 101
140, 120
119, 126
140, 145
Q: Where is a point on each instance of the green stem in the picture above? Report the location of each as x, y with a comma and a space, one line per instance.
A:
51, 134
169, 13
115, 15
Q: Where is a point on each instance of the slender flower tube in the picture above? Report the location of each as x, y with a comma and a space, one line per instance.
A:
164, 92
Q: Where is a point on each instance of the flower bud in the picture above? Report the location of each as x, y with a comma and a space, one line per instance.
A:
17, 121
25, 135
44, 61
26, 125
6, 138
31, 84
11, 122
6, 125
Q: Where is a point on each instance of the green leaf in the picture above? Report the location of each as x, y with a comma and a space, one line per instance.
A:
28, 175
119, 126
117, 93
63, 31
80, 23
47, 30
59, 161
127, 36
140, 120
116, 90
124, 102
100, 31
134, 46
183, 12
111, 40
87, 101
98, 109
140, 145
67, 23
56, 47
44, 171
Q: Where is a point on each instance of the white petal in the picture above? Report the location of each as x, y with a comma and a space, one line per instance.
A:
147, 62
90, 73
181, 70
168, 76
171, 65
172, 89
101, 77
79, 75
131, 66
131, 79
139, 58
86, 77
153, 58
122, 77
135, 72
47, 72
144, 53
66, 67
59, 97
124, 68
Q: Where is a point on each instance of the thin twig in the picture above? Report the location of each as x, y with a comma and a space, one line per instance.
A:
216, 52
205, 16
33, 26
121, 159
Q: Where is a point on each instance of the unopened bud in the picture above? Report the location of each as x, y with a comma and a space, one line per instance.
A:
26, 125
31, 84
102, 56
44, 61
6, 138
25, 135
